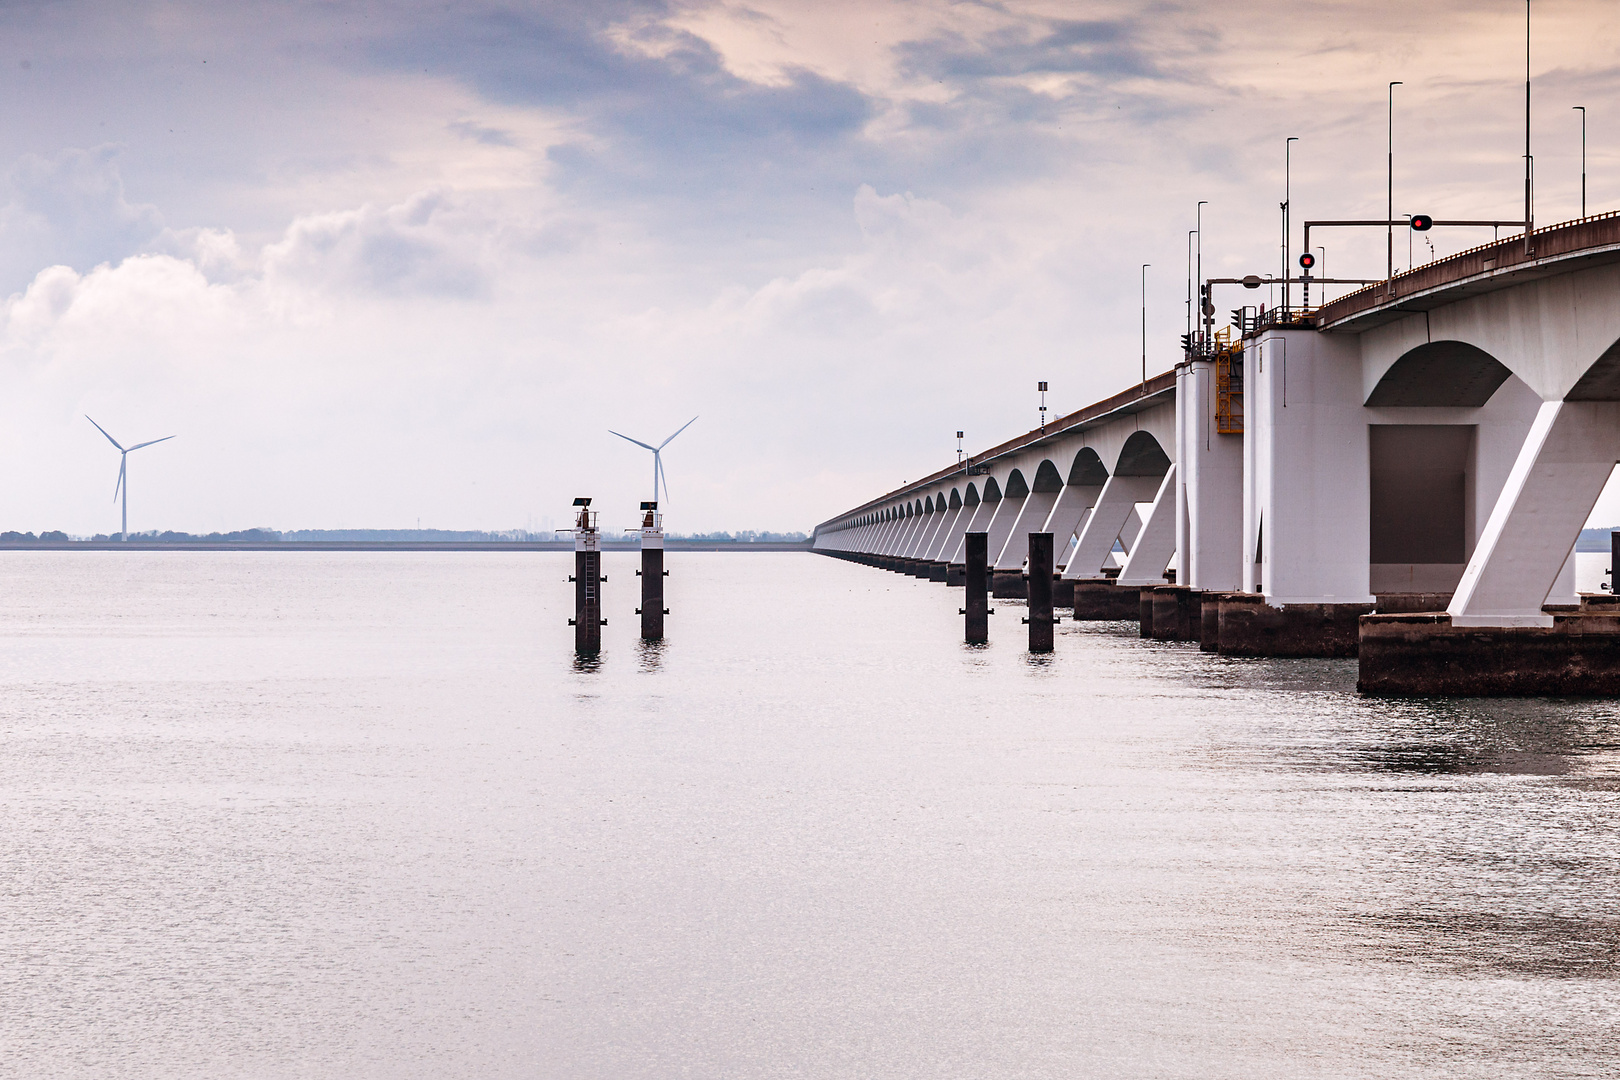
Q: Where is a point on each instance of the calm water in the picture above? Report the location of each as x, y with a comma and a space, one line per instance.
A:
361, 815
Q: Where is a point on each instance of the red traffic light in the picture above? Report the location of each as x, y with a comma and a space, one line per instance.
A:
1307, 260
1422, 222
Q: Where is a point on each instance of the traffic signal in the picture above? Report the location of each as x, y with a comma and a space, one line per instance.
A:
1186, 343
1239, 319
1422, 222
1307, 260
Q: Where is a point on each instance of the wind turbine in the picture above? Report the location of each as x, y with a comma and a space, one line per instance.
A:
123, 461
658, 461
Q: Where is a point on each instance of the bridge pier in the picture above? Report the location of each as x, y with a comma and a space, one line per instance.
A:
1429, 654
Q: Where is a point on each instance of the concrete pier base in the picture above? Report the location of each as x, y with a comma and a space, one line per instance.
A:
1248, 626
1009, 585
955, 576
1103, 601
1062, 592
1422, 654
937, 571
1177, 613
1144, 616
1209, 618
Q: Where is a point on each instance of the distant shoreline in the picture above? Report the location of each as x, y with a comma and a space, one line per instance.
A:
389, 545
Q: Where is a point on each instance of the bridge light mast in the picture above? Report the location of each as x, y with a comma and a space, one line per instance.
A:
1529, 162
1389, 210
1288, 146
1144, 325
1582, 110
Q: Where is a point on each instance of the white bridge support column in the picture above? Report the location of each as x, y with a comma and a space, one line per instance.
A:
1115, 505
977, 521
942, 538
1001, 526
931, 526
1037, 508
1209, 489
1560, 472
1067, 513
1156, 543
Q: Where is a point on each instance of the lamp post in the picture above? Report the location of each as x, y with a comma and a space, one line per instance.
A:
1144, 325
1198, 275
1529, 162
1582, 110
1389, 210
1288, 146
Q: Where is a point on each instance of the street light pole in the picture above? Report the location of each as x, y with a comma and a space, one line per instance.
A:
1529, 162
1389, 210
1198, 277
1144, 325
1582, 110
1288, 146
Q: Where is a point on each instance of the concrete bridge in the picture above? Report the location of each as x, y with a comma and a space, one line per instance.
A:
1401, 474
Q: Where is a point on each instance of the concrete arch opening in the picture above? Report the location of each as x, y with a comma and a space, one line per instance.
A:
1088, 469
1017, 486
1047, 478
1601, 381
1142, 456
955, 502
1441, 374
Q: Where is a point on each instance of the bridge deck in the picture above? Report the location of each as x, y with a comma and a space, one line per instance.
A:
1556, 249
1139, 397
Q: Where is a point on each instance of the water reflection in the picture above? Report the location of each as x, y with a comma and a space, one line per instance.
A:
1493, 944
587, 664
649, 655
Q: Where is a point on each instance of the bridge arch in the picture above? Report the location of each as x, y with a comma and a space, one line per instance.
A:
1142, 456
1017, 486
1601, 382
1047, 477
1088, 469
1441, 374
971, 497
928, 505
992, 490
955, 502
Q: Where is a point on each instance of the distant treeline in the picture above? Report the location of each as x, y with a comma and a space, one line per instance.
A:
1595, 539
407, 536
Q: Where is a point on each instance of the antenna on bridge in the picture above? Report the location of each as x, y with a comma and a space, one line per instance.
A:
959, 454
1042, 388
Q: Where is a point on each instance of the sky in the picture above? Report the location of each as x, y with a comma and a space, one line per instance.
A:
388, 265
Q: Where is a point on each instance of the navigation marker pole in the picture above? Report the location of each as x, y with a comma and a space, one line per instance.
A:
978, 600
652, 573
587, 621
1040, 593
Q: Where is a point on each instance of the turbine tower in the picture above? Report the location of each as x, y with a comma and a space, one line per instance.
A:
657, 451
123, 461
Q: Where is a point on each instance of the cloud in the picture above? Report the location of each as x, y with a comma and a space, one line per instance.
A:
418, 247
69, 209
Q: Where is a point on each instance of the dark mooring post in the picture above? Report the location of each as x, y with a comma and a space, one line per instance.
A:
587, 621
1614, 562
652, 610
1040, 593
978, 591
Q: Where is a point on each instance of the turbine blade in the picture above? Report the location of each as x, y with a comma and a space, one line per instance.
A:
152, 442
658, 463
103, 431
121, 463
627, 438
671, 439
